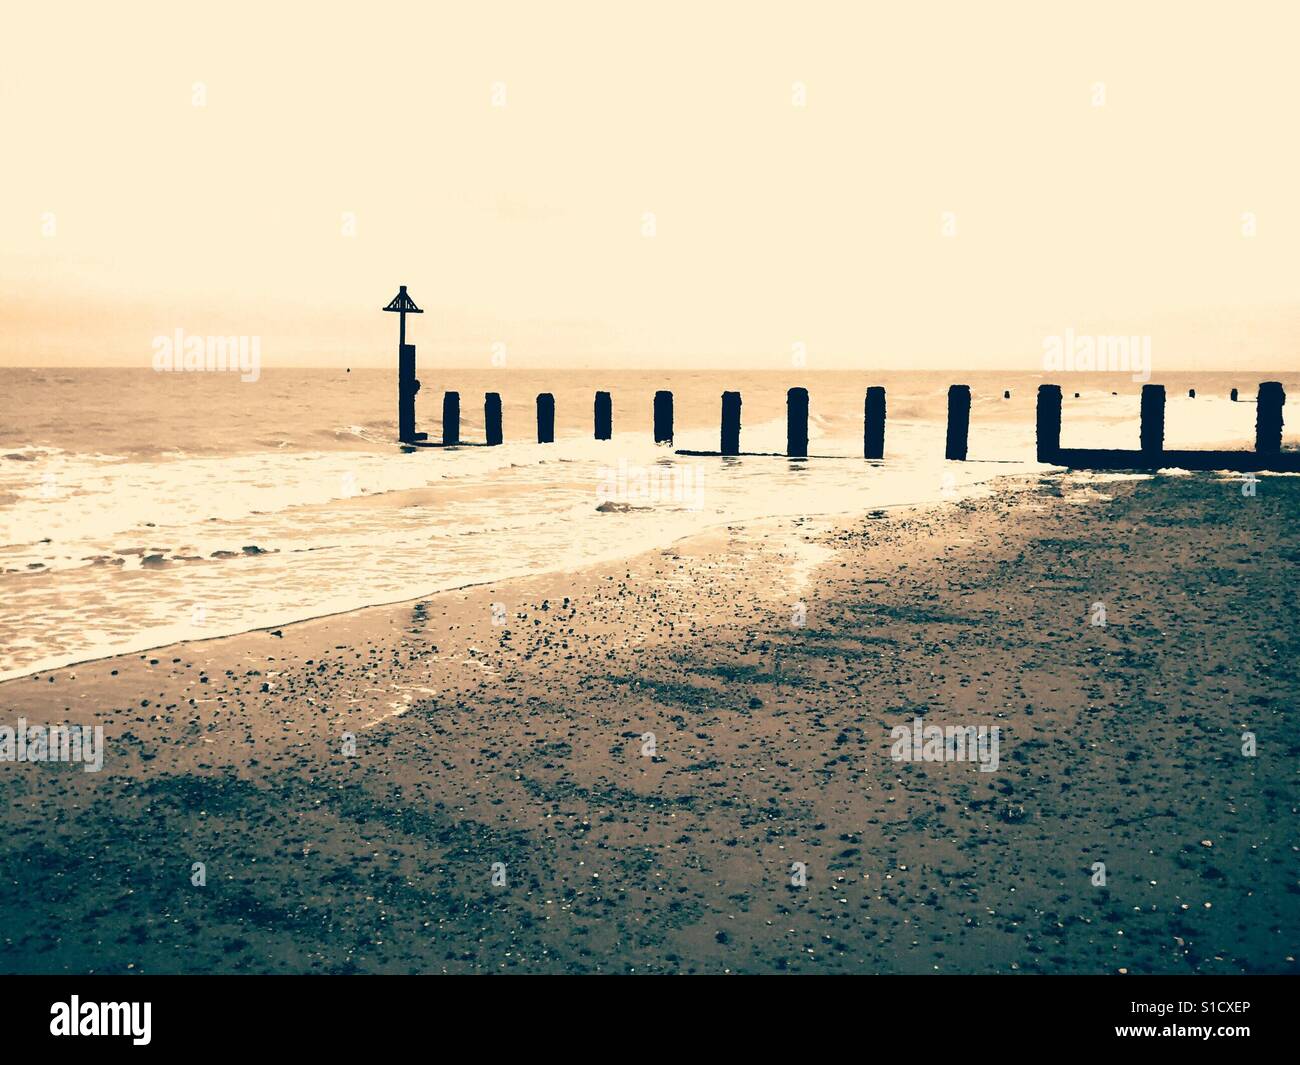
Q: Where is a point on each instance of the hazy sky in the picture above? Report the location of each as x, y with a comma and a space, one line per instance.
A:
1097, 163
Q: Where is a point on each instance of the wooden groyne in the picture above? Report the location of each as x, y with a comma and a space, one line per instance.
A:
492, 418
1151, 436
450, 419
1268, 418
407, 387
796, 423
1151, 453
546, 418
955, 442
730, 423
873, 424
663, 417
604, 416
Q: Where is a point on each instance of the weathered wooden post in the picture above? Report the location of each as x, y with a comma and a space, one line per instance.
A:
545, 418
796, 423
1153, 421
873, 423
1268, 418
1048, 428
731, 423
1233, 396
407, 386
604, 416
451, 418
958, 422
492, 417
663, 417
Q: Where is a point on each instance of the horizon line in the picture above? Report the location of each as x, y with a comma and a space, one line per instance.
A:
145, 366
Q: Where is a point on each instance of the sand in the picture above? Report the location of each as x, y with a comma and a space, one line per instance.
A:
522, 744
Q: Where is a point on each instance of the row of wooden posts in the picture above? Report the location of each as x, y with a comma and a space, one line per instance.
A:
796, 421
1151, 454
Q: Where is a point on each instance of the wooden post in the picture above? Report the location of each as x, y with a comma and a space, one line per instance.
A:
731, 423
1233, 397
407, 386
873, 423
604, 416
796, 423
451, 417
1153, 420
958, 422
1049, 423
492, 417
1191, 393
546, 418
1268, 418
663, 415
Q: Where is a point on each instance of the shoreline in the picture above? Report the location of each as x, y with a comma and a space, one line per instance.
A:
522, 744
608, 558
185, 578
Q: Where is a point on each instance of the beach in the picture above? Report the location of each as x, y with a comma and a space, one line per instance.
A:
630, 767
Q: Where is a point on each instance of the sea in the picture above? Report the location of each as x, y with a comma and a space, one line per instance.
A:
139, 509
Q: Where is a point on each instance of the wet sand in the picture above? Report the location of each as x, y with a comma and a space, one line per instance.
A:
522, 743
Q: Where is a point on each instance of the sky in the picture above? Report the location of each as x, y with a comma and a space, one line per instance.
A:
937, 185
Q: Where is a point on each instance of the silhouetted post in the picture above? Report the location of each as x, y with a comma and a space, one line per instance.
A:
1153, 420
731, 423
451, 417
407, 386
1268, 418
796, 423
546, 418
1048, 427
873, 423
1006, 394
958, 422
492, 417
1191, 393
604, 416
663, 417
1233, 396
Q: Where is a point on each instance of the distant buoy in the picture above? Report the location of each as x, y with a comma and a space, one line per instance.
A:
1006, 394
